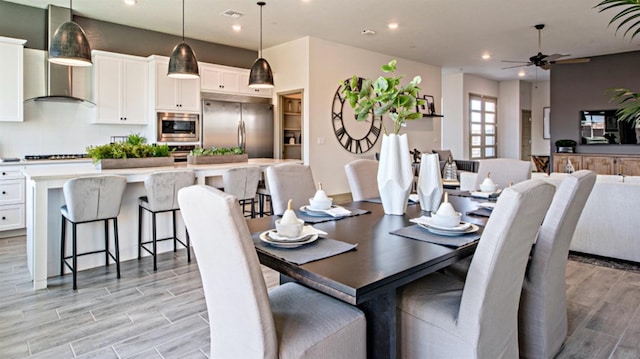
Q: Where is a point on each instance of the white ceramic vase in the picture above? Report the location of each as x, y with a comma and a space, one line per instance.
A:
395, 174
429, 183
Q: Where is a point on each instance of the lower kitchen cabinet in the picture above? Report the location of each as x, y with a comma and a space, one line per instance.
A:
12, 198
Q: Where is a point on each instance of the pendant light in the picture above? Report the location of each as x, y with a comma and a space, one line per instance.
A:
183, 63
69, 45
261, 76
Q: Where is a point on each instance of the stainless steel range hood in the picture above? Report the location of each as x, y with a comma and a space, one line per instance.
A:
59, 78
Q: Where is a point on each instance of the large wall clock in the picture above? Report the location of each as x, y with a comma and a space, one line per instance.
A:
354, 136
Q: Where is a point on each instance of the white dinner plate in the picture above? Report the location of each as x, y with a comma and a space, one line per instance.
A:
316, 212
266, 237
428, 222
472, 229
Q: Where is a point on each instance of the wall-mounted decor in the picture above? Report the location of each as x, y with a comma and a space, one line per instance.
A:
546, 129
428, 107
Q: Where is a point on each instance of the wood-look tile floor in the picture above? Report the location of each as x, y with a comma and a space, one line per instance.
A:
162, 314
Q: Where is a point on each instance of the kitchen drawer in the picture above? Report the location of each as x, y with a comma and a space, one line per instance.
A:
12, 192
10, 173
11, 217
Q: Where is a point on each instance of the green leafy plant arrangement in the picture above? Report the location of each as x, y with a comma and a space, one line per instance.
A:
628, 104
384, 96
216, 151
134, 147
628, 15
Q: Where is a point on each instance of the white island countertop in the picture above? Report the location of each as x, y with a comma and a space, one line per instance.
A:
44, 197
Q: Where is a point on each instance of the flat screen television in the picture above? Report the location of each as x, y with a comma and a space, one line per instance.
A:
601, 127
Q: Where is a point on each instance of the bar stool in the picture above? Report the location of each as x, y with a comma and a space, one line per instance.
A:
162, 196
91, 199
242, 182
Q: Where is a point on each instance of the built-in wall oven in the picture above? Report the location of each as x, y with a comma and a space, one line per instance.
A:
178, 127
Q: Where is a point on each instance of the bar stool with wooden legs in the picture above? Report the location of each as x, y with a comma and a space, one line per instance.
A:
162, 196
91, 199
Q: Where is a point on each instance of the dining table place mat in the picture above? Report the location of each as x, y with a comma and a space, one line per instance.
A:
482, 212
307, 218
320, 249
421, 234
459, 193
378, 200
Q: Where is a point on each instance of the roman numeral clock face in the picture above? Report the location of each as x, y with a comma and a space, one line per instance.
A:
354, 136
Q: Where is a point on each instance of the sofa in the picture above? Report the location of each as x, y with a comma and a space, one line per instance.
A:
607, 226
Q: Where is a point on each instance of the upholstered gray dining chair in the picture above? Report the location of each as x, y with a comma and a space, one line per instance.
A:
362, 177
504, 171
91, 199
162, 196
290, 181
242, 182
246, 321
442, 317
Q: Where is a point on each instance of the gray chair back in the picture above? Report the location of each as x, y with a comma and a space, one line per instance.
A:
162, 188
94, 197
503, 171
543, 312
362, 177
242, 182
488, 311
290, 181
235, 291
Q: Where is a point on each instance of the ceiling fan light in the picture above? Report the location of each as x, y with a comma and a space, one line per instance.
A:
70, 46
183, 63
261, 76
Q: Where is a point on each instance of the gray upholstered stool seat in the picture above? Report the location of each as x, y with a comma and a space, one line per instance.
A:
162, 196
242, 182
91, 199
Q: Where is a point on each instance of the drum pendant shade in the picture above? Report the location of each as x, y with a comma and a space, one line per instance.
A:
183, 63
69, 45
261, 75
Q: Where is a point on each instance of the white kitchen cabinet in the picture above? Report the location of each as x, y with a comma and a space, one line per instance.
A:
121, 88
12, 198
11, 78
181, 95
215, 78
244, 87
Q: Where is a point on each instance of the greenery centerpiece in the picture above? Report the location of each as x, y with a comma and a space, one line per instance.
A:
134, 152
387, 97
215, 155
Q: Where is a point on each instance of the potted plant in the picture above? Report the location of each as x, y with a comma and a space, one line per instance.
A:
385, 96
566, 146
213, 155
134, 152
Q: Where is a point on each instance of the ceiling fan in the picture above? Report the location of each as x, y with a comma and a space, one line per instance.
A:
545, 61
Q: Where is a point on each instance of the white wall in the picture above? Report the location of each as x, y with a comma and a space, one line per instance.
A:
540, 98
509, 119
316, 67
454, 121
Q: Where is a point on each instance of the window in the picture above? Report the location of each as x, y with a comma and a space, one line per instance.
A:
483, 127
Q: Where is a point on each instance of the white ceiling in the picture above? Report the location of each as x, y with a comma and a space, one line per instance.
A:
452, 34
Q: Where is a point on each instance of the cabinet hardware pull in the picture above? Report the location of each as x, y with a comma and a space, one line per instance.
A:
3, 218
4, 192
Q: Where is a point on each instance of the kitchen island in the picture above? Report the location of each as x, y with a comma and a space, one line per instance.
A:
44, 197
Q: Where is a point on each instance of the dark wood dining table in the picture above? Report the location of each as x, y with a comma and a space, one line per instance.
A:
368, 276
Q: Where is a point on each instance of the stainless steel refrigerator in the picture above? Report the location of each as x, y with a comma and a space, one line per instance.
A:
248, 125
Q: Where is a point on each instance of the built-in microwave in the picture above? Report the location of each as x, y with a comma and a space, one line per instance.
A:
178, 127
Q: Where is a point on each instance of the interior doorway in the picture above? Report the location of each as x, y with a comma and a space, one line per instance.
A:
291, 125
525, 140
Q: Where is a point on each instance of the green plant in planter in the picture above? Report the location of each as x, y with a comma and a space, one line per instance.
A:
216, 151
134, 147
384, 96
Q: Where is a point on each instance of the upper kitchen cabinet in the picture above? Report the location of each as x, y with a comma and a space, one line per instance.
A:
182, 95
11, 78
121, 88
231, 80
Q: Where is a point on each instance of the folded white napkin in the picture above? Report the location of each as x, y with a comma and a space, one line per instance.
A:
338, 211
480, 194
306, 231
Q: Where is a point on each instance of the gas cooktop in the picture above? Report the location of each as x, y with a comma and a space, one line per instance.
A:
67, 156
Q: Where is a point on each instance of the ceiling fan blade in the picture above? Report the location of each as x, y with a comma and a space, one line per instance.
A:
546, 66
523, 65
581, 60
516, 62
554, 57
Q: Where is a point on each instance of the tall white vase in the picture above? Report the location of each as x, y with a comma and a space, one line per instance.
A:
429, 183
395, 174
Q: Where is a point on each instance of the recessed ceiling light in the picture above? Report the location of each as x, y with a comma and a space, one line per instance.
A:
236, 27
486, 56
522, 73
130, 2
393, 25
